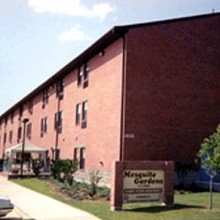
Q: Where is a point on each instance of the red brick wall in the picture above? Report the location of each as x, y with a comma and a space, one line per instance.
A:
173, 87
102, 135
101, 138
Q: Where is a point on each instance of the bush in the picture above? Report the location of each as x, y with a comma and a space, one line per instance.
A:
182, 170
94, 178
37, 165
63, 170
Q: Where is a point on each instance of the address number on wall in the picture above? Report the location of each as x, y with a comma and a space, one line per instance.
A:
130, 136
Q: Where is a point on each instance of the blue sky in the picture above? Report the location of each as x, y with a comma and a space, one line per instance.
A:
39, 37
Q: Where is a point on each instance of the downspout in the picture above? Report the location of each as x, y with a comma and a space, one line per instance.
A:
57, 133
123, 101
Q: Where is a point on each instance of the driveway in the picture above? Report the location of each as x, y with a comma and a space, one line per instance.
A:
32, 205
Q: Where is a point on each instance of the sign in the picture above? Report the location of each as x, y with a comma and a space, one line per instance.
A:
143, 186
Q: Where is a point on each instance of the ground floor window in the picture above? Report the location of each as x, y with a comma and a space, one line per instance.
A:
80, 156
55, 153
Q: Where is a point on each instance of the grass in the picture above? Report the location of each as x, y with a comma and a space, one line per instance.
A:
190, 206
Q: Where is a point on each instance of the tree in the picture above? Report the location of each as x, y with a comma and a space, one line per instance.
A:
209, 155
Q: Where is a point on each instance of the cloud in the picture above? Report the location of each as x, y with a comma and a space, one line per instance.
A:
72, 8
74, 34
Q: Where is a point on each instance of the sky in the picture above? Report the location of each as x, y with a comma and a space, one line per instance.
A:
39, 37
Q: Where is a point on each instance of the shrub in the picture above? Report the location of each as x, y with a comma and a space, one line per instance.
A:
182, 170
37, 165
63, 170
94, 178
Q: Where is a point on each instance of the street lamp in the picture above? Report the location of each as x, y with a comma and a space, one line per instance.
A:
24, 121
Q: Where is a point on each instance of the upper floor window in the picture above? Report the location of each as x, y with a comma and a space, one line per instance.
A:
10, 136
12, 117
43, 127
78, 113
5, 138
29, 130
81, 113
45, 97
84, 110
6, 120
83, 75
20, 112
58, 122
80, 75
86, 72
30, 106
60, 89
19, 134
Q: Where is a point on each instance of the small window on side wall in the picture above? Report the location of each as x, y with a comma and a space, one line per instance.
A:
58, 122
60, 89
78, 113
80, 75
83, 75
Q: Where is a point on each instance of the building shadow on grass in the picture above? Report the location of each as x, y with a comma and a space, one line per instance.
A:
156, 209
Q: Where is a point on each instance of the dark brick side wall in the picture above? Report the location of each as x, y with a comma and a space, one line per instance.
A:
172, 88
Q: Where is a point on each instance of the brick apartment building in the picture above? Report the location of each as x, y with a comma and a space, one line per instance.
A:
147, 91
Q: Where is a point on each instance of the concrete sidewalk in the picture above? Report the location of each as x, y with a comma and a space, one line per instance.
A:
30, 204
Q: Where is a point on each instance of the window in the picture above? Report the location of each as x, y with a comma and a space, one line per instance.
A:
60, 89
6, 121
79, 155
80, 76
45, 97
19, 134
55, 153
84, 110
75, 154
20, 112
78, 113
5, 138
58, 122
86, 72
12, 117
10, 137
83, 75
30, 106
82, 158
84, 114
29, 130
43, 127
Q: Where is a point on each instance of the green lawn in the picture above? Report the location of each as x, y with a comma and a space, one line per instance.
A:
190, 206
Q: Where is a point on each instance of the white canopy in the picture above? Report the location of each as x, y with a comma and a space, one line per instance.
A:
28, 148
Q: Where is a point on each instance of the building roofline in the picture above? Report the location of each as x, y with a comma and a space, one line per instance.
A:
170, 20
108, 38
112, 35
